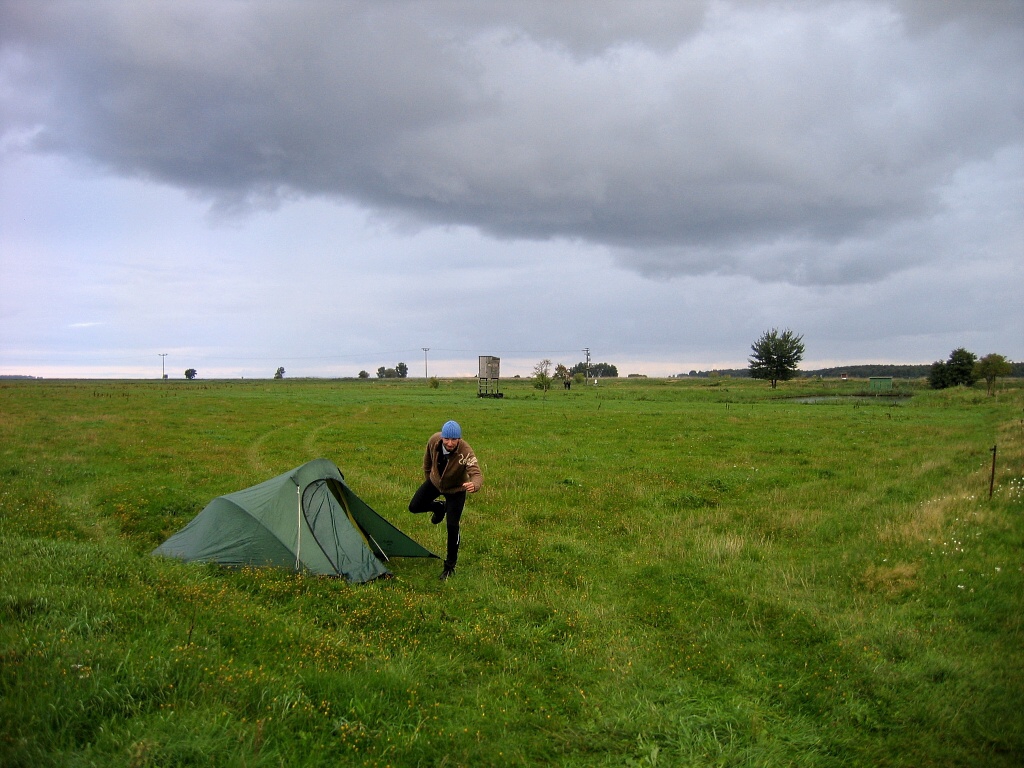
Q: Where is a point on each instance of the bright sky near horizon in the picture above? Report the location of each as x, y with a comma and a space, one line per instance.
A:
330, 187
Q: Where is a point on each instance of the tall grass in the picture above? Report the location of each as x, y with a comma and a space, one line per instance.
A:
656, 573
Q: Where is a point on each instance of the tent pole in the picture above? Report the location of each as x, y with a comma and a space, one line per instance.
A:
298, 527
378, 546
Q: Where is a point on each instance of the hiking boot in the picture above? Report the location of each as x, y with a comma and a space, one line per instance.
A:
437, 516
448, 571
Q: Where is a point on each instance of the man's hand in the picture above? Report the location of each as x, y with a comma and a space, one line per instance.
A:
470, 486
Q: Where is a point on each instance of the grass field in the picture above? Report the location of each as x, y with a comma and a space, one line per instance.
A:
657, 573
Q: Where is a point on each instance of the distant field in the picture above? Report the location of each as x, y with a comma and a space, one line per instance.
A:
657, 573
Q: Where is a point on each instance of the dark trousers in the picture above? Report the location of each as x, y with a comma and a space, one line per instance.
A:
425, 500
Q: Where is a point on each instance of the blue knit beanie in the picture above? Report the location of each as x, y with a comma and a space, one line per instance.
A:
451, 430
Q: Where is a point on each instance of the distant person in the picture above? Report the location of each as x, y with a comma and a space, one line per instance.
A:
450, 470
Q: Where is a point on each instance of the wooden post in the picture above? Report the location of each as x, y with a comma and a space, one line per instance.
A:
992, 477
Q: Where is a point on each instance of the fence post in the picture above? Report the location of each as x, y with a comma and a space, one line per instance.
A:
992, 477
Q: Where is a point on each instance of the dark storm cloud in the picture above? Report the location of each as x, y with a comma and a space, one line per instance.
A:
777, 140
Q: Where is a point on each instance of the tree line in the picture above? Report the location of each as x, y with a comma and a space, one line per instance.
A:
400, 371
965, 368
776, 356
545, 373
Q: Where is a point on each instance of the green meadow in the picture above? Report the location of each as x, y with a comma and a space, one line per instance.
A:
656, 573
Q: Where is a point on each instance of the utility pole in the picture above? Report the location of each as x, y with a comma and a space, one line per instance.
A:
163, 370
425, 350
586, 351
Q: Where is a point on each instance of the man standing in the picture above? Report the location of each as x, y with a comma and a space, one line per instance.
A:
451, 470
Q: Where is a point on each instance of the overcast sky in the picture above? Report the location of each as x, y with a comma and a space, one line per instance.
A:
332, 186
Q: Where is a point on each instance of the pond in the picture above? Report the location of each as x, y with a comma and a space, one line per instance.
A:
848, 399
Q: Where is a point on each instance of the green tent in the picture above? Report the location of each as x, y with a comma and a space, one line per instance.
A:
304, 520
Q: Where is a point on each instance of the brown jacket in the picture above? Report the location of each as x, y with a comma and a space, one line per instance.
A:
462, 466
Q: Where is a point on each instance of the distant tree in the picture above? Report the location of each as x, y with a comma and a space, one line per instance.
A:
402, 370
364, 374
957, 370
938, 376
542, 375
191, 373
382, 372
776, 356
563, 375
990, 368
279, 373
960, 367
602, 370
387, 373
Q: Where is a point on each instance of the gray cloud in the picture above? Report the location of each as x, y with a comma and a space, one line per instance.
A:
787, 142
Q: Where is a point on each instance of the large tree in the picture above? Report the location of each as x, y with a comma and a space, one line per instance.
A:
961, 367
776, 356
958, 369
991, 367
